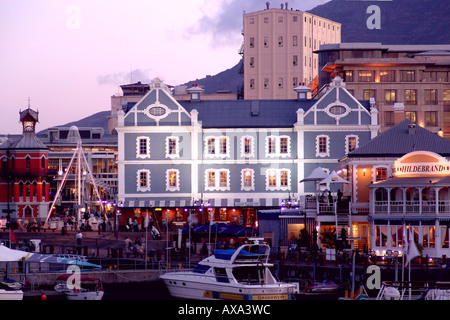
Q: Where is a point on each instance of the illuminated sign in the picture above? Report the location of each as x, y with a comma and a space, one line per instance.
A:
421, 163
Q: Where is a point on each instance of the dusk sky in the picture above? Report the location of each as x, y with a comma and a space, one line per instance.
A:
70, 57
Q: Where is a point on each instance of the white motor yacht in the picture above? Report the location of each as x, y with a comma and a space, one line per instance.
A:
231, 274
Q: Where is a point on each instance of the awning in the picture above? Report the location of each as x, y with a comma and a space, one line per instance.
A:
215, 202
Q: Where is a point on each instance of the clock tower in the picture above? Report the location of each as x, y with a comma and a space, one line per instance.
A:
24, 178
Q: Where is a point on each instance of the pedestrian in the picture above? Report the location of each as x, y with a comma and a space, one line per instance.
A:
78, 237
128, 244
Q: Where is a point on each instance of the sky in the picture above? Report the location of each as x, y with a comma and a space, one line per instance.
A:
67, 58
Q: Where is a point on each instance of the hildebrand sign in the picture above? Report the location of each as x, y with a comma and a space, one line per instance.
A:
421, 163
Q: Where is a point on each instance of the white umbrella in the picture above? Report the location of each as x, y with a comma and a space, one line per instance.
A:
333, 178
316, 175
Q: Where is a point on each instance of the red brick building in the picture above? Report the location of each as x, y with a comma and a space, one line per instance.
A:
24, 181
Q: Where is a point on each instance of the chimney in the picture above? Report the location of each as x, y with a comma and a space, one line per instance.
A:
412, 128
399, 112
268, 5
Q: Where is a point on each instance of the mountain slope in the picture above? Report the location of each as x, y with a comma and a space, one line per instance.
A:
402, 21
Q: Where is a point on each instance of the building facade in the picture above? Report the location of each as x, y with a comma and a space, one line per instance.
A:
278, 50
228, 159
413, 80
24, 179
400, 180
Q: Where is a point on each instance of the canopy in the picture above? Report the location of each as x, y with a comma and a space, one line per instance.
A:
333, 178
7, 254
316, 175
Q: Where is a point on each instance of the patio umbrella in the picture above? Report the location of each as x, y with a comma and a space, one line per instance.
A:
333, 178
316, 175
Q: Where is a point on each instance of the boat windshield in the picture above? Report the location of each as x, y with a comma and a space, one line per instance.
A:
200, 268
250, 274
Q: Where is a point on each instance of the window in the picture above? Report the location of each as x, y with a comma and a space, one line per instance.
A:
380, 174
387, 76
27, 162
295, 60
143, 180
172, 180
446, 98
430, 96
247, 147
42, 163
143, 147
217, 147
366, 76
389, 118
252, 42
247, 179
368, 93
217, 180
172, 147
278, 179
322, 146
390, 96
407, 76
266, 42
431, 118
252, 62
294, 41
348, 77
280, 41
351, 143
410, 96
278, 146
252, 83
411, 116
266, 83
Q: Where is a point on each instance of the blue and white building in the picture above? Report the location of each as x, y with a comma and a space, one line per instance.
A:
234, 157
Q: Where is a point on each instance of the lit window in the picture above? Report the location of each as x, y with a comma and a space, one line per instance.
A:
217, 180
247, 147
380, 174
247, 179
278, 179
143, 180
172, 180
410, 96
351, 143
366, 76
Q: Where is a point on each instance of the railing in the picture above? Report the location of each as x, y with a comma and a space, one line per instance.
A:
424, 207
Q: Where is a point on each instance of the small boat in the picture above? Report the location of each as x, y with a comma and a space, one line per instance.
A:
90, 288
11, 290
414, 290
231, 274
326, 286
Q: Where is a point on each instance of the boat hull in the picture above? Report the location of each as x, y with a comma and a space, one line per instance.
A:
187, 286
94, 295
11, 294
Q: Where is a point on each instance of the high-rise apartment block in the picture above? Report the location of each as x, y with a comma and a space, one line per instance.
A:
278, 49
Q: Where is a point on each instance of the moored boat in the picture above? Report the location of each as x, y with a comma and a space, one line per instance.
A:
89, 289
231, 274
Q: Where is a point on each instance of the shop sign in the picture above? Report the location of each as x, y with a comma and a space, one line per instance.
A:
421, 163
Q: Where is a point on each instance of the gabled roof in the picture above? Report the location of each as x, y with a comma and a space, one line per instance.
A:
398, 140
28, 140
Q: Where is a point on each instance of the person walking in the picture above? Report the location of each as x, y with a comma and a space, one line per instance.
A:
78, 237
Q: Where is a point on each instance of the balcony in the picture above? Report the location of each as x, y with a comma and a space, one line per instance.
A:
411, 207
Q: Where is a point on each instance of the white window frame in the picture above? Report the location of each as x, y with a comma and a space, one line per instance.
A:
251, 154
347, 144
177, 147
277, 153
177, 185
138, 180
140, 155
327, 152
252, 176
278, 185
217, 144
217, 186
